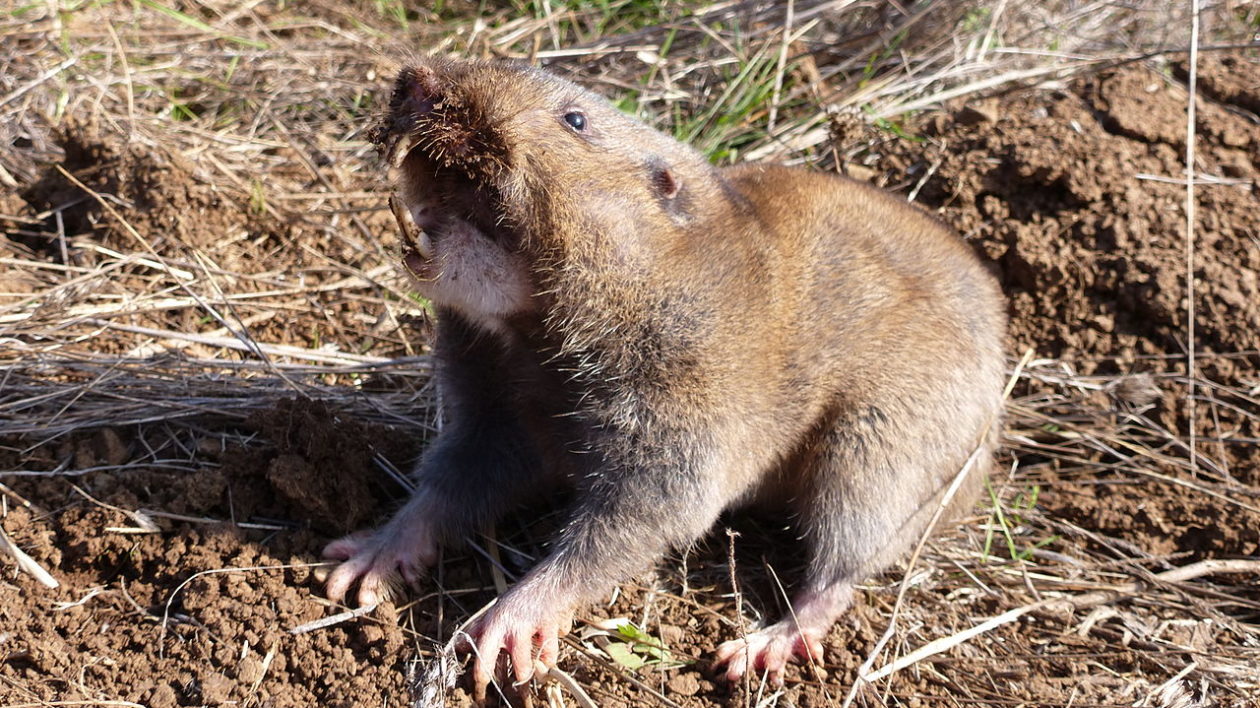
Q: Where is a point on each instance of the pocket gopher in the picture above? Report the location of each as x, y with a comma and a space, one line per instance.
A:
673, 339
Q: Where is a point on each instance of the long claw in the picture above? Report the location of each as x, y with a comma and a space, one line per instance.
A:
340, 580
516, 627
549, 651
484, 663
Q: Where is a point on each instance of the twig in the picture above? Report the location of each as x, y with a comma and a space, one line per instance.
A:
331, 620
344, 358
14, 95
782, 65
572, 686
739, 608
68, 704
1190, 209
27, 563
143, 523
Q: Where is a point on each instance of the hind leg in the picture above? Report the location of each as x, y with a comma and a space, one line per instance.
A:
863, 498
795, 638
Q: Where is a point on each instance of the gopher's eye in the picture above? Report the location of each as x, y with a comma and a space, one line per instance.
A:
576, 120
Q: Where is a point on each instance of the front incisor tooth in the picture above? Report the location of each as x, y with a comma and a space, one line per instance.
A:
411, 234
424, 245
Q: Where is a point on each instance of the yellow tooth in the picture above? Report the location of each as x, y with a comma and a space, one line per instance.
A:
424, 246
411, 234
403, 147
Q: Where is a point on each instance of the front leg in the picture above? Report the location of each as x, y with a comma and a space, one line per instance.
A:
471, 474
484, 461
635, 506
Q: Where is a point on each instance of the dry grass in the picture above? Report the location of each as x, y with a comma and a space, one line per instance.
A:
258, 113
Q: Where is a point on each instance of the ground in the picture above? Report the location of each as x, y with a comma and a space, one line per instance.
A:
178, 477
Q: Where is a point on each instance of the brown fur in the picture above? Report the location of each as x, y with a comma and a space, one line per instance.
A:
695, 338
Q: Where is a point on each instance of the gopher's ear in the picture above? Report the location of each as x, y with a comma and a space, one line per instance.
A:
664, 182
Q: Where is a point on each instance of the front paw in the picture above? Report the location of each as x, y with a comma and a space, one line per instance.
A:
379, 561
523, 625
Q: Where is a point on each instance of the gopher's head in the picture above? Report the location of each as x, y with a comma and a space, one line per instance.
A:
527, 174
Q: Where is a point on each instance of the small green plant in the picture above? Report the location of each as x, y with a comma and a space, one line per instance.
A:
894, 127
423, 303
733, 121
21, 11
179, 110
633, 648
627, 103
1009, 524
257, 197
586, 20
976, 19
877, 59
395, 10
200, 26
233, 64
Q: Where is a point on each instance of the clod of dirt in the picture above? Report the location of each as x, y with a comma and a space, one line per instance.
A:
321, 466
1075, 196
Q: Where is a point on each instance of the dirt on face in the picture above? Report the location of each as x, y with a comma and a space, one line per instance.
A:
181, 584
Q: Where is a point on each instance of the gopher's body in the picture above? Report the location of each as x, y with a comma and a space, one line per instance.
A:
674, 339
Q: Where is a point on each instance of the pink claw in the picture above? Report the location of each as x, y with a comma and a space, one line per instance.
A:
525, 629
377, 561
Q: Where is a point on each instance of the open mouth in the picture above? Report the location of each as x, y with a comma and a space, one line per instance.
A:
448, 200
447, 161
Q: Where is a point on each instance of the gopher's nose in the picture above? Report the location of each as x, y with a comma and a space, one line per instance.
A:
417, 91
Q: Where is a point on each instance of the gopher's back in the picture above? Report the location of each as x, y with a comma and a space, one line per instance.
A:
896, 332
872, 282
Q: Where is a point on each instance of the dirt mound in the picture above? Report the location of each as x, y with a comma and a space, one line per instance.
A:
151, 189
320, 467
1074, 195
191, 608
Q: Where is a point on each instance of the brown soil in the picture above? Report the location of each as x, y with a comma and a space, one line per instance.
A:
192, 602
1065, 196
